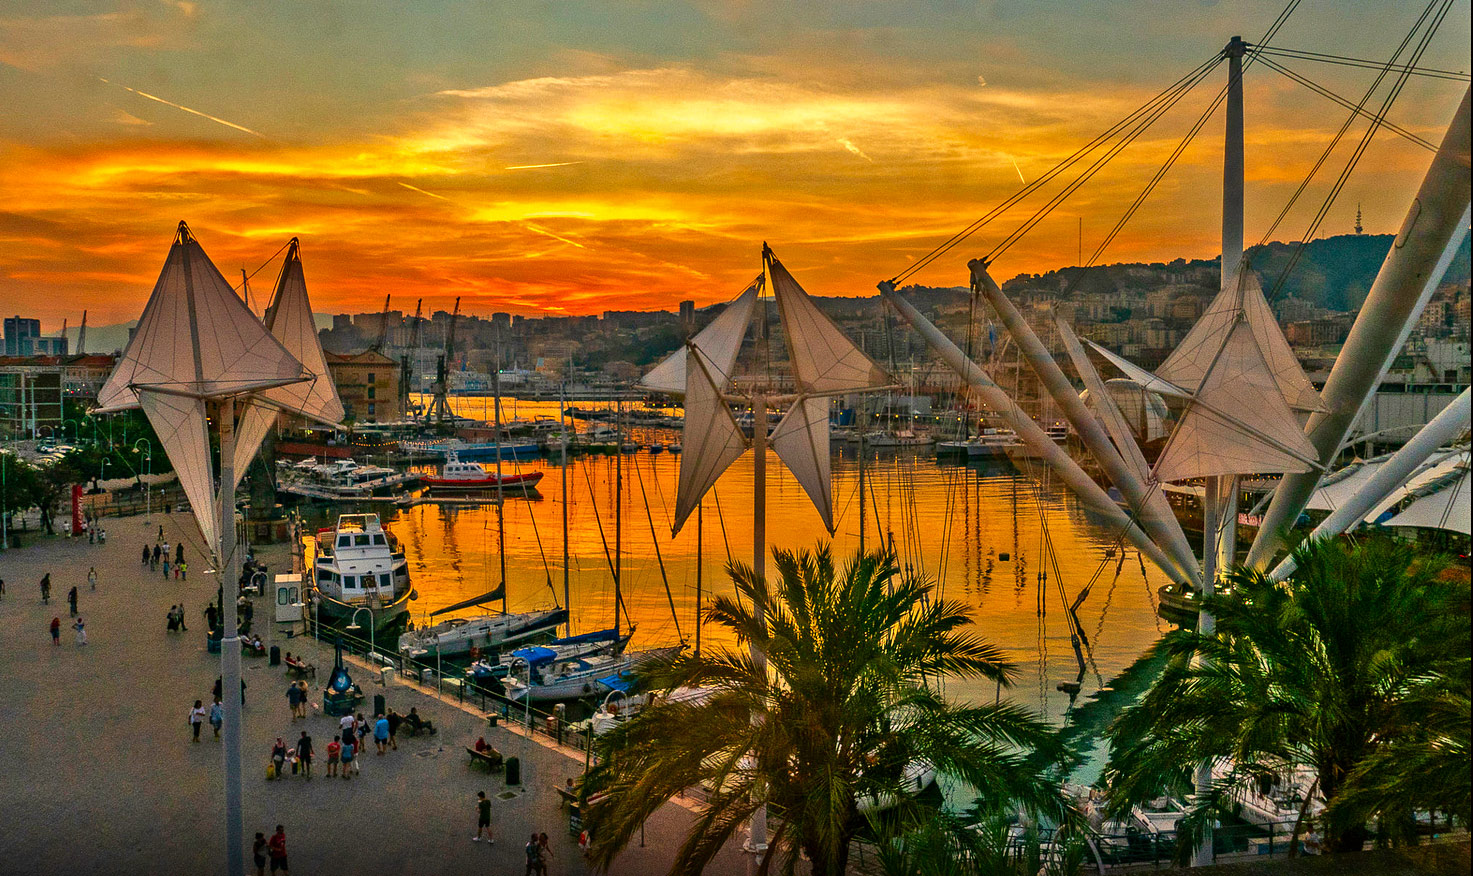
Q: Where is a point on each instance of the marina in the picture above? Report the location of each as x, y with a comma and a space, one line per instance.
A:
1023, 566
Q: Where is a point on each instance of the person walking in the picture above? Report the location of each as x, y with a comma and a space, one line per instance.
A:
217, 716
92, 578
154, 561
395, 719
183, 570
346, 756
182, 627
2, 588
160, 535
81, 629
46, 589
71, 601
91, 532
276, 849
145, 553
360, 727
304, 754
334, 751
546, 851
258, 854
278, 758
381, 734
483, 818
166, 565
197, 717
178, 553
56, 631
294, 699
534, 856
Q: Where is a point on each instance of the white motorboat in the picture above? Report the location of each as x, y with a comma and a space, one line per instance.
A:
343, 479
619, 706
567, 648
359, 566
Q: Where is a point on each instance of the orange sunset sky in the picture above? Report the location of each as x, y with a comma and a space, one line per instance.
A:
553, 156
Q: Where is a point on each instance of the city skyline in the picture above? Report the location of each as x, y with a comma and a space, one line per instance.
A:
632, 155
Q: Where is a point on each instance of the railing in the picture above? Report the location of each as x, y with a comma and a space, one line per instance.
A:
554, 725
124, 503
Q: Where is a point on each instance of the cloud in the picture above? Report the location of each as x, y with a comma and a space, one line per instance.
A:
48, 42
851, 148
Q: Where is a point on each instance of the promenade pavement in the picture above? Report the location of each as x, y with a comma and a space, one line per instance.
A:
98, 775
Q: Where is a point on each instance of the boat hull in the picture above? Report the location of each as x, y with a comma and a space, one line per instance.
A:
509, 482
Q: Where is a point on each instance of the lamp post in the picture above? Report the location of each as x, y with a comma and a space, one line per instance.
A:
148, 470
101, 471
353, 625
76, 429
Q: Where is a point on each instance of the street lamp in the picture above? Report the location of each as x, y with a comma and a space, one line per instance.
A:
353, 625
147, 487
101, 470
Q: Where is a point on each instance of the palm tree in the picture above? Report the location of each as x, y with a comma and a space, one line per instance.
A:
848, 703
1320, 672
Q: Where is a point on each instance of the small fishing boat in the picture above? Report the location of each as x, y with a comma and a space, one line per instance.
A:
456, 474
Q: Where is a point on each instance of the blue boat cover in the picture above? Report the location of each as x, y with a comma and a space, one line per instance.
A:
617, 682
535, 656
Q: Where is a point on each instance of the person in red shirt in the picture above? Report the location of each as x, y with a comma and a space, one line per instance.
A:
276, 848
56, 631
333, 750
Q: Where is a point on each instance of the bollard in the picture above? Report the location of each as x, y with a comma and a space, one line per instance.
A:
513, 770
378, 705
275, 659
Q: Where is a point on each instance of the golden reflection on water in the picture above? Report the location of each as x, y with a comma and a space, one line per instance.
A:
950, 523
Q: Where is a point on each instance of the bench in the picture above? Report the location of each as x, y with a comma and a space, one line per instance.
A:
490, 758
301, 670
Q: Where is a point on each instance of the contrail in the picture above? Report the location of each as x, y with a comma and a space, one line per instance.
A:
1018, 169
186, 109
530, 227
536, 166
423, 192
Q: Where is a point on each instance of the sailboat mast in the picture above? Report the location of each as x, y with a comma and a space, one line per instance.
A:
618, 510
562, 408
500, 494
1220, 498
699, 557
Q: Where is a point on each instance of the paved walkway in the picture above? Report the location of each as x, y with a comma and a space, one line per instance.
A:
97, 773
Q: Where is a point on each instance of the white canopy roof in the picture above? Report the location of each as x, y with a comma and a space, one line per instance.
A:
719, 343
196, 338
1448, 508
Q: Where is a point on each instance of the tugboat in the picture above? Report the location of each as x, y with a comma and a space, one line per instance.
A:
458, 475
360, 568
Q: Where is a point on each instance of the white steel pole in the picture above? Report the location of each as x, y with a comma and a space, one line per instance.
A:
1434, 228
757, 827
230, 693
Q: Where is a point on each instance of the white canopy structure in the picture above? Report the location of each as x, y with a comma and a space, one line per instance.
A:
196, 340
1446, 508
824, 362
289, 319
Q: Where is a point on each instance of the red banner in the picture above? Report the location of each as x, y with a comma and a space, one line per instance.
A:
76, 509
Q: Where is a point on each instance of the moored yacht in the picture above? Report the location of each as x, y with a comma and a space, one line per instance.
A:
457, 636
359, 568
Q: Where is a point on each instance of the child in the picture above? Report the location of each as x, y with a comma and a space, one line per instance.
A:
334, 749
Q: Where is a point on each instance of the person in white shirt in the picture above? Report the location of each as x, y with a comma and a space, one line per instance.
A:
197, 718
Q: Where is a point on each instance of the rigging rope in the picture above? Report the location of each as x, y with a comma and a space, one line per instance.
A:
1370, 132
1345, 61
655, 540
1049, 175
1355, 108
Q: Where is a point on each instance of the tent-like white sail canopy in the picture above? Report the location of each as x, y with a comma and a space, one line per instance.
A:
823, 359
289, 319
1145, 379
801, 441
719, 343
196, 341
196, 338
1237, 422
712, 439
824, 363
1240, 300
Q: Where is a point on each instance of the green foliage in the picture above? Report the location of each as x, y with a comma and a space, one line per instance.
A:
949, 846
1361, 655
845, 704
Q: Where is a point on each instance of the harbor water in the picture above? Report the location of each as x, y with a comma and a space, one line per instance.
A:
1017, 552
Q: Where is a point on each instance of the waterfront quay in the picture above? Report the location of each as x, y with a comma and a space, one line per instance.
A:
98, 773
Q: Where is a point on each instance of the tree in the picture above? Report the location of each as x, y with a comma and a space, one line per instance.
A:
847, 704
1327, 671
